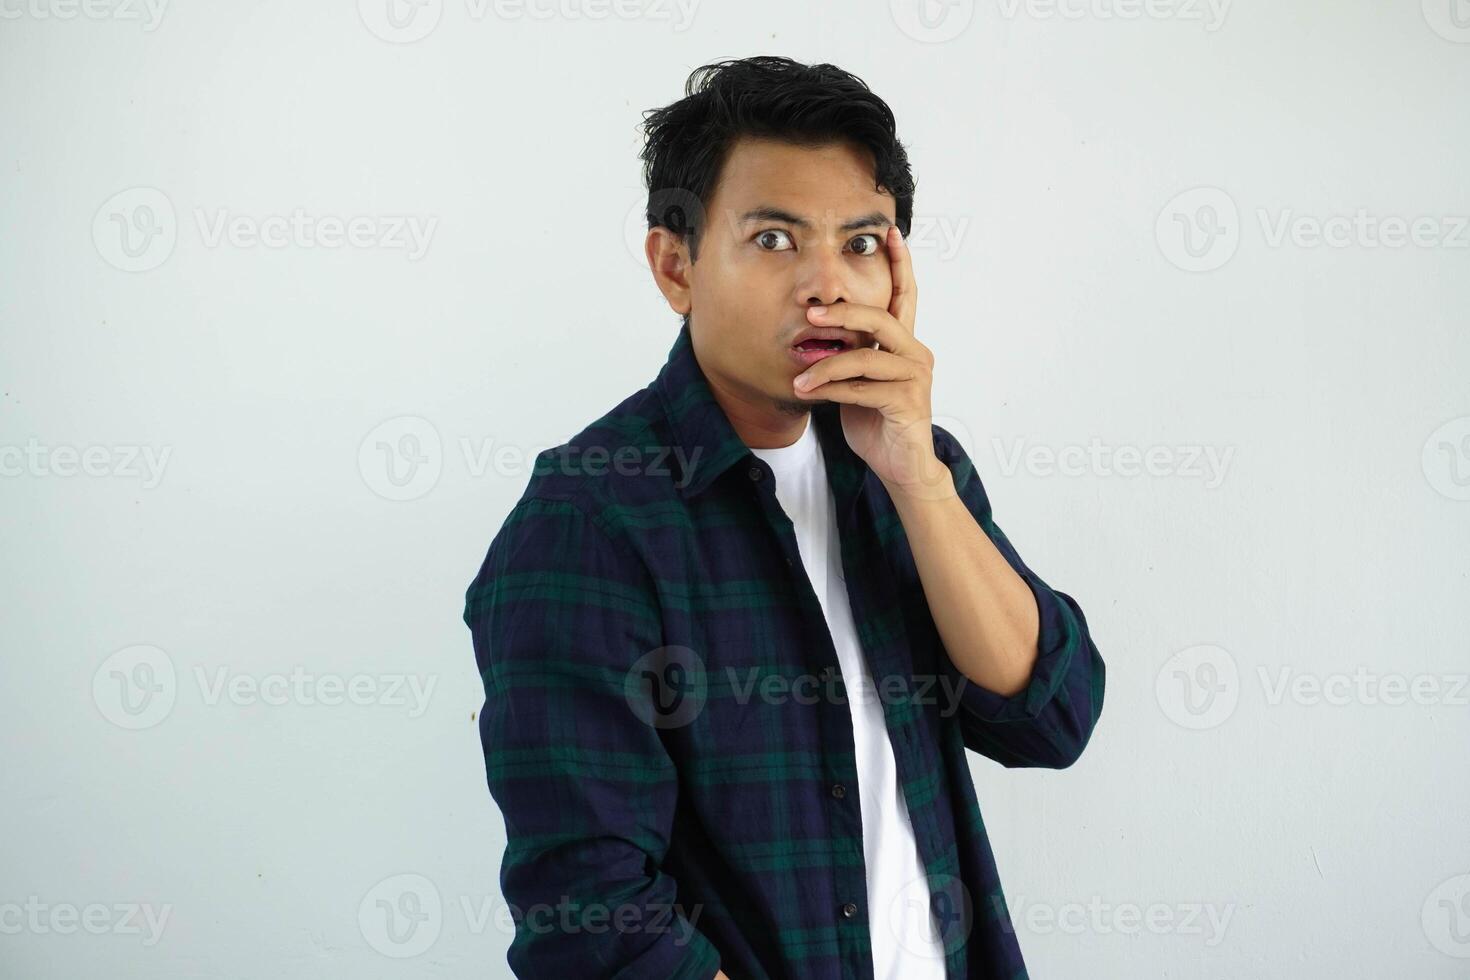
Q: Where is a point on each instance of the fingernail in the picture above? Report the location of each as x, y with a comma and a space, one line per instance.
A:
819, 310
802, 380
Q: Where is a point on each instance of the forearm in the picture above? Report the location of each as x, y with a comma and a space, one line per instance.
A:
984, 612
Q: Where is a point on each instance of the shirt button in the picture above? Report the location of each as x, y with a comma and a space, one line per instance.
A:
849, 910
827, 673
839, 790
788, 563
755, 473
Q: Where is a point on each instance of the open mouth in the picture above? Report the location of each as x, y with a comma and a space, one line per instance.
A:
810, 350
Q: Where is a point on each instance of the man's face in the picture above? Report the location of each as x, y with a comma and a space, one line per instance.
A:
788, 228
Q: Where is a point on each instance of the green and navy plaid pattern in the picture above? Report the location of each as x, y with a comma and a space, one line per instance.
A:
666, 729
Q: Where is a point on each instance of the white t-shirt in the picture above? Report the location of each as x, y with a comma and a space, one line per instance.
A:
905, 938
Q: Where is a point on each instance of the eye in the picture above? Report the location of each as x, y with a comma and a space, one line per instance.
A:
869, 251
765, 237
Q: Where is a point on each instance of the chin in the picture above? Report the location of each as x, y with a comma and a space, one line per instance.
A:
791, 406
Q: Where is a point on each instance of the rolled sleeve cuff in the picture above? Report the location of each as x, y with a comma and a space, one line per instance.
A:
1058, 638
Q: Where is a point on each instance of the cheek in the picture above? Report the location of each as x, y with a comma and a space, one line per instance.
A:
755, 292
877, 290
737, 277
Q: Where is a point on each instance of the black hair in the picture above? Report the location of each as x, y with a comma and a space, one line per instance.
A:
768, 97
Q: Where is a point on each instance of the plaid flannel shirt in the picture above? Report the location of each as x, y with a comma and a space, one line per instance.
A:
666, 730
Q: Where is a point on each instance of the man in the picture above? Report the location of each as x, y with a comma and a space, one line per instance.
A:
737, 634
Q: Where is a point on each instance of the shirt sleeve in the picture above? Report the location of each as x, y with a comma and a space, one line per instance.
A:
559, 613
1048, 723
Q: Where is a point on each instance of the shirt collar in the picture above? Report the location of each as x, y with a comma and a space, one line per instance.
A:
707, 443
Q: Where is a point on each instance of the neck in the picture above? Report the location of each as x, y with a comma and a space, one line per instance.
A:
760, 422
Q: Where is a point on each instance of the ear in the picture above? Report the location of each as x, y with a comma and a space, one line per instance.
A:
668, 260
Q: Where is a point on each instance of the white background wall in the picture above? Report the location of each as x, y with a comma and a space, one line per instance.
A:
266, 553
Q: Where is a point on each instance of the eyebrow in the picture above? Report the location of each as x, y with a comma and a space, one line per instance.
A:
766, 212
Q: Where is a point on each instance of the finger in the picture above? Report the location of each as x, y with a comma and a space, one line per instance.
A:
887, 331
875, 365
905, 290
859, 391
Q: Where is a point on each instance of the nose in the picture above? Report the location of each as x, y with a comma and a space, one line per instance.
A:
823, 278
